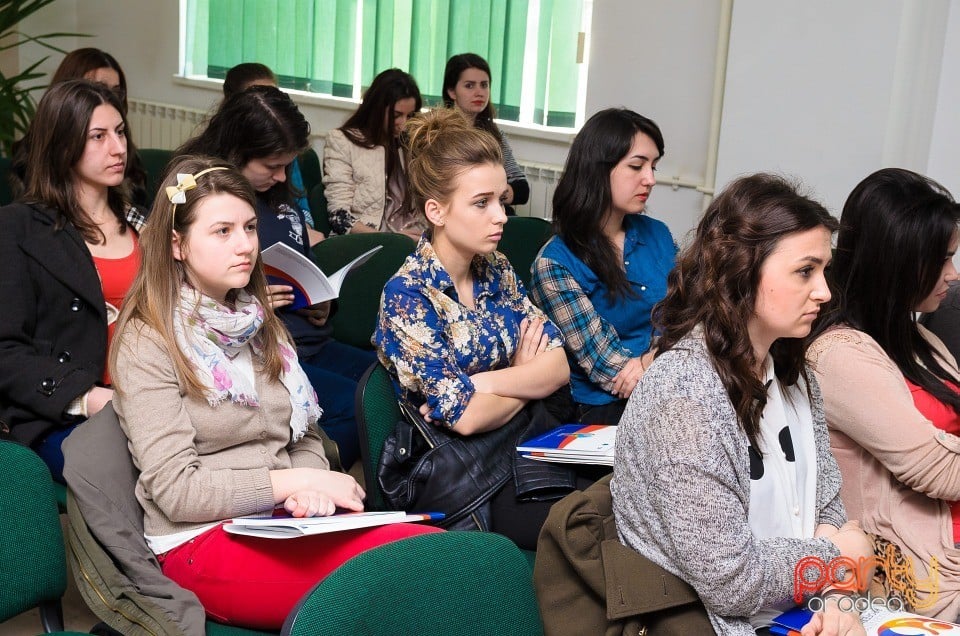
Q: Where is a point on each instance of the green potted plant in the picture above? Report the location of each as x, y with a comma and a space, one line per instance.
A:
16, 100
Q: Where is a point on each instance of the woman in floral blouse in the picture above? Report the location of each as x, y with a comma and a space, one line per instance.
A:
456, 330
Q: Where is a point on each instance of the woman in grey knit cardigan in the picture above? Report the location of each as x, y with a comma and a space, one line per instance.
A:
723, 473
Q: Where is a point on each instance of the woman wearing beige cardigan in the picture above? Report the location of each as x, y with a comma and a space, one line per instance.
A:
364, 174
889, 385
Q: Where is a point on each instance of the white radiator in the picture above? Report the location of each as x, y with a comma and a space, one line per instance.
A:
166, 126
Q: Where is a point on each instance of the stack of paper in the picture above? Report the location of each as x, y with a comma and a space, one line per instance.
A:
573, 444
291, 527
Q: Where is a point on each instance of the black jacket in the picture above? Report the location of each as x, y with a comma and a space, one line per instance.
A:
53, 321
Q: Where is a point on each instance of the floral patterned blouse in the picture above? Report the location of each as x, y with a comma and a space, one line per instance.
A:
432, 344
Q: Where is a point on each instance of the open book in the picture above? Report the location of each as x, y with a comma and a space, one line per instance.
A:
286, 266
292, 527
573, 444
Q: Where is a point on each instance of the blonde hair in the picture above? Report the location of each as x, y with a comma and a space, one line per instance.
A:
442, 145
155, 292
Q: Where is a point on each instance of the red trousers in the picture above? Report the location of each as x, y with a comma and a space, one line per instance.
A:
253, 582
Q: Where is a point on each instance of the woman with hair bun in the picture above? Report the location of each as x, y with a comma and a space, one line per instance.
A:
723, 474
464, 344
891, 389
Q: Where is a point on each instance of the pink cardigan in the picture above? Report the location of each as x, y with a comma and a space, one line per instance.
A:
899, 470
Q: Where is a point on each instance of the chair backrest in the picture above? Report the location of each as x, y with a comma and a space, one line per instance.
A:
359, 300
155, 162
319, 209
310, 170
450, 583
523, 236
33, 566
376, 412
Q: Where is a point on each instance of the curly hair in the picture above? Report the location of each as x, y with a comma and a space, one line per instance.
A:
714, 286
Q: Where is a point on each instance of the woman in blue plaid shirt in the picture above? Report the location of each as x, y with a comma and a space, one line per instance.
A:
600, 277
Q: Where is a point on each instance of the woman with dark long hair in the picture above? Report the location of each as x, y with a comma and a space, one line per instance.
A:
70, 254
261, 131
466, 87
890, 387
364, 166
723, 473
99, 66
600, 276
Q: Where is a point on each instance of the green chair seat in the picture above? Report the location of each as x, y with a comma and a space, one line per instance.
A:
359, 301
155, 162
376, 413
33, 565
448, 583
523, 236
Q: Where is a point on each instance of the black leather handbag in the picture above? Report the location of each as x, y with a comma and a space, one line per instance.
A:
430, 468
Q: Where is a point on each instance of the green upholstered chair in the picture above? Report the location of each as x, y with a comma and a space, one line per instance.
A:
376, 413
523, 236
319, 209
310, 170
33, 565
6, 192
155, 162
449, 584
359, 301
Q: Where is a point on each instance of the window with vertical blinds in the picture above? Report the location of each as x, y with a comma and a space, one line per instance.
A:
336, 47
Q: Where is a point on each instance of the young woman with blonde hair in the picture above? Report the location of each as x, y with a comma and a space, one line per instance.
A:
465, 345
220, 417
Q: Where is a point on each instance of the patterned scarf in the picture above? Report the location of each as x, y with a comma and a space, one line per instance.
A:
211, 335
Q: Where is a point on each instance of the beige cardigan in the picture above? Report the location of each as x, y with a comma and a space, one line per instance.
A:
200, 464
899, 470
354, 179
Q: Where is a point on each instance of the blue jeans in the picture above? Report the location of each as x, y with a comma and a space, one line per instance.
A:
49, 449
334, 372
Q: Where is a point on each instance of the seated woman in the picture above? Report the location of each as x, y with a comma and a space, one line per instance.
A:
463, 342
70, 253
600, 276
944, 322
195, 351
364, 171
238, 79
261, 131
723, 473
101, 67
890, 387
466, 87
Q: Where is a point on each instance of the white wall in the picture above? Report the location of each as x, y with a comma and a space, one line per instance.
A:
827, 91
831, 91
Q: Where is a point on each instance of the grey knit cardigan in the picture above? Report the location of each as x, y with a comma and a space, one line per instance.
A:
681, 490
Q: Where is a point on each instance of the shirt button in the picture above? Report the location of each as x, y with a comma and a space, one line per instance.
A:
76, 304
643, 288
48, 386
626, 262
64, 357
796, 511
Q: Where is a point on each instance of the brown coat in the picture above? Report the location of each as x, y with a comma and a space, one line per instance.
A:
589, 583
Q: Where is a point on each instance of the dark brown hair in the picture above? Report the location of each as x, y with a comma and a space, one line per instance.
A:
54, 144
451, 75
714, 286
